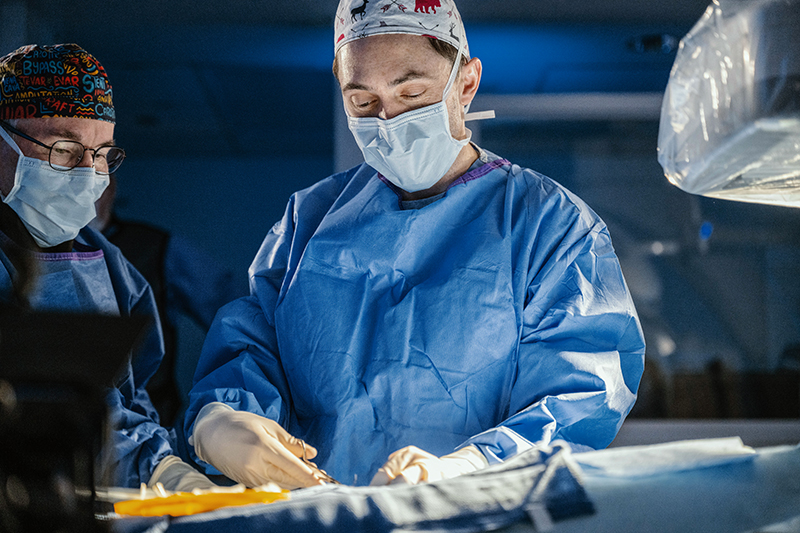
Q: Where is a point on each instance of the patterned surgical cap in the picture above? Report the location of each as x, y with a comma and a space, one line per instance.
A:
356, 19
62, 80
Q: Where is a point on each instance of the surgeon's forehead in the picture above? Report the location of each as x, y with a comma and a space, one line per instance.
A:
69, 128
402, 43
395, 58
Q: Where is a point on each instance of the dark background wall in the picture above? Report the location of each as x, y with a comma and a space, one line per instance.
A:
225, 109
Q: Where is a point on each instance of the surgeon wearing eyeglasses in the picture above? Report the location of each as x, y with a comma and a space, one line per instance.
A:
55, 176
57, 150
424, 314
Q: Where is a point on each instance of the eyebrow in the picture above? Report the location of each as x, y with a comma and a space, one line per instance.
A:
63, 134
71, 136
408, 76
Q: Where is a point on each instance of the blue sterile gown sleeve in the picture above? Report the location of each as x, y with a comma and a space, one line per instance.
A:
137, 442
495, 316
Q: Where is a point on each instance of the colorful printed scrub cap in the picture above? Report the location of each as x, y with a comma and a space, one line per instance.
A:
356, 19
62, 80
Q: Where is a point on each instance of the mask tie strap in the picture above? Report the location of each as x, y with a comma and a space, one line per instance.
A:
480, 115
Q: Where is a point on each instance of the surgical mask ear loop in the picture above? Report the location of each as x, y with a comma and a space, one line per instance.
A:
480, 115
7, 137
454, 69
10, 141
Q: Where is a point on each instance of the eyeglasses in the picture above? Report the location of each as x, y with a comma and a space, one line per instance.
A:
65, 155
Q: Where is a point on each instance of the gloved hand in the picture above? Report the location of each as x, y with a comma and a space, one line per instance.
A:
177, 476
251, 449
411, 465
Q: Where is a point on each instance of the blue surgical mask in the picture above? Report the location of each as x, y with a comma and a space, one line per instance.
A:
413, 150
53, 205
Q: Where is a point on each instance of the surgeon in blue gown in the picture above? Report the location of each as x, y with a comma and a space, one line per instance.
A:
56, 151
424, 314
94, 277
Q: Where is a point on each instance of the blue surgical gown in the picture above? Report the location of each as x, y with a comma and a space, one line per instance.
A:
495, 316
137, 443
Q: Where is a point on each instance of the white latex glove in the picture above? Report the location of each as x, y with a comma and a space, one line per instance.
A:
411, 465
177, 476
251, 449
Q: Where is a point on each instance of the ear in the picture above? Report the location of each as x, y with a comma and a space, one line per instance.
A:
471, 79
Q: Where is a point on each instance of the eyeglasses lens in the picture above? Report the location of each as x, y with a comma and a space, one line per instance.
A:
65, 155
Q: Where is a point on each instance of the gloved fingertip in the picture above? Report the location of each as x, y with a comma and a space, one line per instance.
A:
309, 480
412, 475
401, 480
380, 479
298, 447
311, 452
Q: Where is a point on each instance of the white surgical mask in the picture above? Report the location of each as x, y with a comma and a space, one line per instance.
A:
53, 205
413, 150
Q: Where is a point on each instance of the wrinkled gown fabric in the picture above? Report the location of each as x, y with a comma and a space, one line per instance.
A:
96, 278
495, 316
